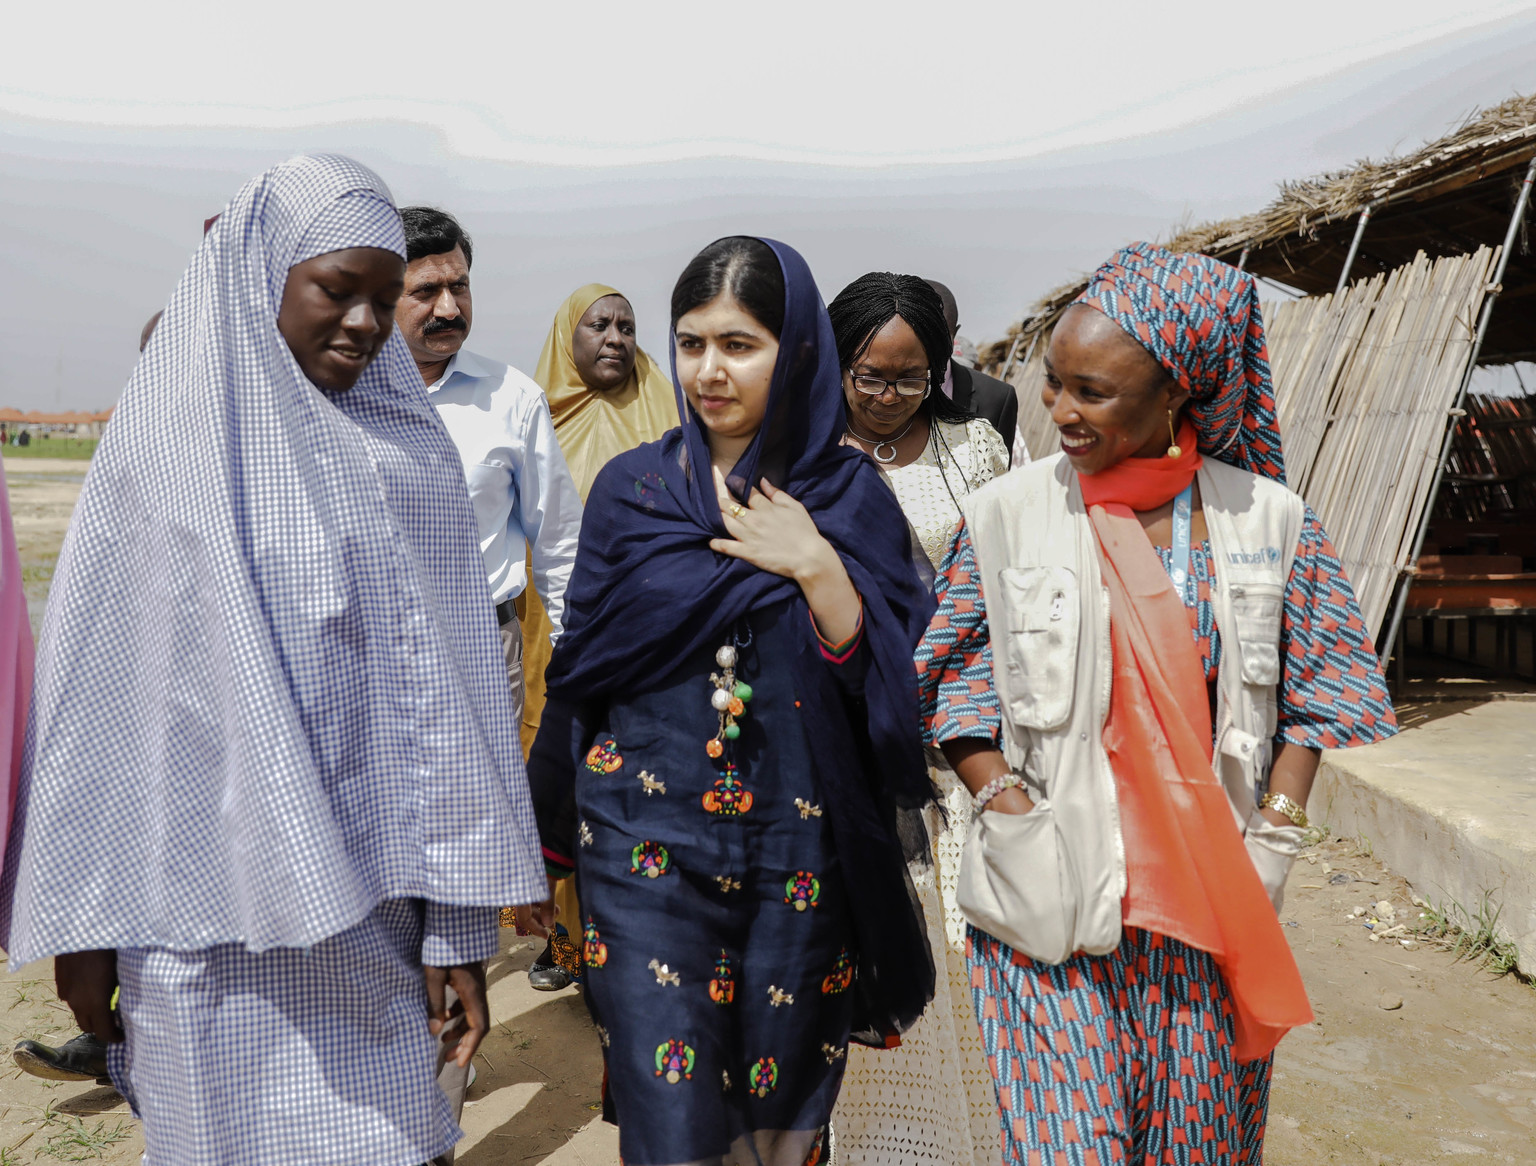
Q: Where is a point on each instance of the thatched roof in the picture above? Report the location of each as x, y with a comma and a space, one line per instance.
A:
1446, 198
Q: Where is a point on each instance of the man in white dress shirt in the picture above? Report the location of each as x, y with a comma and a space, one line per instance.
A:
525, 500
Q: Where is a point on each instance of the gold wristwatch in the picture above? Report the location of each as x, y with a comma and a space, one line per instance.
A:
1287, 806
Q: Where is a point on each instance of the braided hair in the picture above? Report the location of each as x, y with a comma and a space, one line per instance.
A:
871, 302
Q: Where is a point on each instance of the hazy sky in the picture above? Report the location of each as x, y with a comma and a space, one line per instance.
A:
1002, 148
602, 83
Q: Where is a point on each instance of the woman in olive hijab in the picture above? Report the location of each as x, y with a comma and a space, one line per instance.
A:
606, 396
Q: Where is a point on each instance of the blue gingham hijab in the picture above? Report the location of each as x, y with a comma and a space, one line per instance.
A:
270, 690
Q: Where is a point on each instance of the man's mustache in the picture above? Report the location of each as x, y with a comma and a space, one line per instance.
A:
438, 324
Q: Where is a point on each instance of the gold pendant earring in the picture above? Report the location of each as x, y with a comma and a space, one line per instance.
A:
1173, 448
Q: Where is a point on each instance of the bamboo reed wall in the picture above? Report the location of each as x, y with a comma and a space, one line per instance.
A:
1034, 422
1363, 382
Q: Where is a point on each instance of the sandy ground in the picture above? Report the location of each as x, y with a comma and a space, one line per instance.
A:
42, 494
535, 1099
1447, 1073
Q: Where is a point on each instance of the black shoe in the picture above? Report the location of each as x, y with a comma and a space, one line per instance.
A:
559, 966
81, 1059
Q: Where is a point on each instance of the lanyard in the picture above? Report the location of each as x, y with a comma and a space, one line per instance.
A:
1180, 566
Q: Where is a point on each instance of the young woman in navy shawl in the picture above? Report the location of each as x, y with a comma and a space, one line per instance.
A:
730, 737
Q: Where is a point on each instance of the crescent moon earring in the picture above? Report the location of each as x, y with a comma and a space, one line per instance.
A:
1173, 449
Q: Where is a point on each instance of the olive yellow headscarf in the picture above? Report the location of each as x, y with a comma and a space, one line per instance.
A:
594, 427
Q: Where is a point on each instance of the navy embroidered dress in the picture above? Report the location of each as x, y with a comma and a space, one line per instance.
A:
716, 927
744, 886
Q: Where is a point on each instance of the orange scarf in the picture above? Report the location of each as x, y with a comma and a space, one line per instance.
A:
1188, 872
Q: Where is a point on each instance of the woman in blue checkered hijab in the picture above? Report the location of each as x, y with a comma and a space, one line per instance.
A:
272, 772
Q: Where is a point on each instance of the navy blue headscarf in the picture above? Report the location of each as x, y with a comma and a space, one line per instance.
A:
647, 592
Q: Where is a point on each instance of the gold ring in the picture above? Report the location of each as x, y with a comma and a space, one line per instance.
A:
737, 510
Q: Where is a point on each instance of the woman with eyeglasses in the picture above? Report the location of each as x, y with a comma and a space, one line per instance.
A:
930, 1101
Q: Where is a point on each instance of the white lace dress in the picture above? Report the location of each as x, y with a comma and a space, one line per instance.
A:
931, 1101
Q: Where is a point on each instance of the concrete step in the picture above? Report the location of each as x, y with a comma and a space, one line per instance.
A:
1449, 804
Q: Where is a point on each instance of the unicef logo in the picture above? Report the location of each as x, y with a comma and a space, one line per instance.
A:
1269, 556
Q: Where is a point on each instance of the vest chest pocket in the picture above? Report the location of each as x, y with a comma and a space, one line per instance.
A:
1035, 625
1256, 609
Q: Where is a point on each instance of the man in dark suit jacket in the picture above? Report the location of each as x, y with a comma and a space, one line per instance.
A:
989, 398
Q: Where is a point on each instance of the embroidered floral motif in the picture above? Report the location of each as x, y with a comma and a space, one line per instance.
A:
649, 783
650, 859
674, 1060
763, 1077
728, 799
647, 487
833, 1053
593, 949
728, 884
776, 996
722, 989
604, 757
841, 977
602, 1035
725, 1079
586, 834
807, 810
665, 975
803, 890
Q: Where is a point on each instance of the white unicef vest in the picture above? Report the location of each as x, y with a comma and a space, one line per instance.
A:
1050, 882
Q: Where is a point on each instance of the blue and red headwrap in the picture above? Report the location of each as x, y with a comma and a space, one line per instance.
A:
1200, 319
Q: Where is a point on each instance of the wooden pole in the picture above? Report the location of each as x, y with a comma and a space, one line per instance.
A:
1459, 410
1354, 247
1013, 350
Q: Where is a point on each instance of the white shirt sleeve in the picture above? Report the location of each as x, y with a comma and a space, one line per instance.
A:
548, 510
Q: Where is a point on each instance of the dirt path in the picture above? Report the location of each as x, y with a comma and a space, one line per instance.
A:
537, 1087
42, 494
1449, 1075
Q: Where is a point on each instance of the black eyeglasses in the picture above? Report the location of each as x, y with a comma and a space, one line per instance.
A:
905, 386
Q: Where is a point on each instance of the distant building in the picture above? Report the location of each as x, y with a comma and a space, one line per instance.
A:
71, 424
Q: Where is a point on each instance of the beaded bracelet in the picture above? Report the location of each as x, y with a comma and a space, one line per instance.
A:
994, 787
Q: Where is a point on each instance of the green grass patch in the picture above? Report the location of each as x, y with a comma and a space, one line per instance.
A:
77, 449
1471, 935
79, 1143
